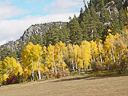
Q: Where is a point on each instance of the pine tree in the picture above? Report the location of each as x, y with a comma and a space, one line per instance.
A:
105, 15
75, 32
19, 49
121, 18
65, 34
6, 52
81, 15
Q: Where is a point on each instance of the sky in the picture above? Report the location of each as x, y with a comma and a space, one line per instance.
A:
18, 15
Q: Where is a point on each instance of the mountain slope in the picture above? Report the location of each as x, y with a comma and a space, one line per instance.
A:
33, 29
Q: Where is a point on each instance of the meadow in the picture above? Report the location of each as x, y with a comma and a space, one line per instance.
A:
70, 86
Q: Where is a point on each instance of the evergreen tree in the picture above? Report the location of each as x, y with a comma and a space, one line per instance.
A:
105, 15
81, 15
6, 52
19, 49
52, 35
75, 32
122, 17
65, 31
84, 31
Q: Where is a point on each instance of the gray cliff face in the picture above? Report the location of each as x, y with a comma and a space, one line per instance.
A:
10, 45
37, 28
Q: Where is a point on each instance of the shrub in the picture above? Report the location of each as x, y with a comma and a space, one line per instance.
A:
11, 80
59, 74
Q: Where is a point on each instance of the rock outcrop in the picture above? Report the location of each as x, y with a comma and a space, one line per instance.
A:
37, 28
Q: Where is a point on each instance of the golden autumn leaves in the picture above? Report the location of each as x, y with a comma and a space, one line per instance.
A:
113, 50
111, 53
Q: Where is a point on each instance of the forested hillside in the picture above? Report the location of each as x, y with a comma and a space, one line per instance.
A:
93, 22
97, 40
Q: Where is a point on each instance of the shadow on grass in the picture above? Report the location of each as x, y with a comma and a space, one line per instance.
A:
89, 77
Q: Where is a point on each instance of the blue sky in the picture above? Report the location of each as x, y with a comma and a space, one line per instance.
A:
17, 15
31, 7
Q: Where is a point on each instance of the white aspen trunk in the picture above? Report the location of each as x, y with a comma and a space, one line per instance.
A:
72, 65
58, 57
76, 66
56, 71
32, 72
53, 60
114, 59
82, 67
101, 58
90, 67
113, 56
94, 58
39, 71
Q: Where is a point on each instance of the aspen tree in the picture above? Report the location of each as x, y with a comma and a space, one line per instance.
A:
109, 47
85, 53
37, 57
63, 51
50, 57
70, 51
27, 60
100, 49
94, 50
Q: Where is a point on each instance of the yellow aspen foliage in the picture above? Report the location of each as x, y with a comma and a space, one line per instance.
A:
107, 59
70, 53
27, 57
66, 69
94, 50
108, 44
26, 72
44, 50
10, 75
57, 54
37, 53
50, 57
9, 65
63, 64
18, 69
5, 76
85, 53
109, 48
79, 62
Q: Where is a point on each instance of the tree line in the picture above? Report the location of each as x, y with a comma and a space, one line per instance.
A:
87, 44
95, 55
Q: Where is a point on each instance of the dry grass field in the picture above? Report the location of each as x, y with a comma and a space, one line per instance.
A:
74, 86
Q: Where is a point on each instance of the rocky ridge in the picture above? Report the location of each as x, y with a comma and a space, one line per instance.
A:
37, 28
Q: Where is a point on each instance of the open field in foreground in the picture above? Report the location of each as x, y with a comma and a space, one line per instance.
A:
75, 86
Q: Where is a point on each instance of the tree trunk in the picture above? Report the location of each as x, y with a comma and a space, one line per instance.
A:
72, 65
82, 67
101, 58
39, 73
39, 70
32, 74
